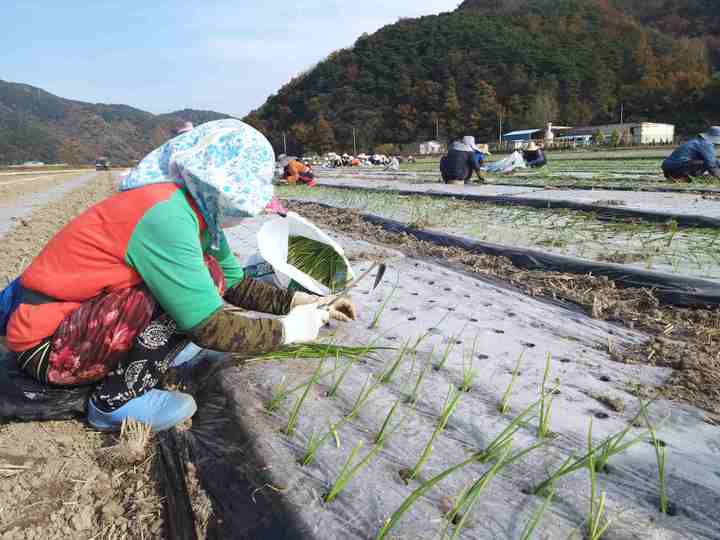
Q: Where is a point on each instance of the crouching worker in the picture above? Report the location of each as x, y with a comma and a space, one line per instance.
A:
458, 165
296, 171
127, 284
694, 158
534, 156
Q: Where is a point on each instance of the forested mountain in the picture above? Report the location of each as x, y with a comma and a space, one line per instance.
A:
573, 62
36, 125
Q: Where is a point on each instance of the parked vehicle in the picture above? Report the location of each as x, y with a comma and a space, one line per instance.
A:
102, 164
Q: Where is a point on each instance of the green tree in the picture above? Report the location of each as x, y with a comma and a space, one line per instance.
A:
324, 136
615, 138
484, 109
598, 137
453, 111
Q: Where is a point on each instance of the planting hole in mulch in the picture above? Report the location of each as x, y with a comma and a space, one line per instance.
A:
529, 345
605, 378
601, 415
483, 356
474, 320
565, 360
498, 331
412, 318
660, 442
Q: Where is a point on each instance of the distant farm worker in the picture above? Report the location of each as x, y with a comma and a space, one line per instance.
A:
481, 154
694, 158
534, 156
127, 284
297, 171
394, 164
458, 165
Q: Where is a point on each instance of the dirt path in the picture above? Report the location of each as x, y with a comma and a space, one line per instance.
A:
13, 188
686, 340
60, 480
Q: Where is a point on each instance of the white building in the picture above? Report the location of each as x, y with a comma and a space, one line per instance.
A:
637, 133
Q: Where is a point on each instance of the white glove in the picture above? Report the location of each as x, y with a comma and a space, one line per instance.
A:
343, 310
303, 323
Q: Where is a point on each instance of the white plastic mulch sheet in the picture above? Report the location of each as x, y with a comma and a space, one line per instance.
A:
449, 306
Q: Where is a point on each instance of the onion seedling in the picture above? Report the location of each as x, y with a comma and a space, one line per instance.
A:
390, 372
365, 392
469, 372
504, 439
468, 500
350, 470
443, 359
504, 406
318, 260
412, 398
597, 523
383, 433
279, 395
660, 456
381, 309
537, 516
546, 400
451, 402
419, 492
292, 420
614, 444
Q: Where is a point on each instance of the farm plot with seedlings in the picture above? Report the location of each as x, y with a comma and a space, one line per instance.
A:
434, 428
661, 247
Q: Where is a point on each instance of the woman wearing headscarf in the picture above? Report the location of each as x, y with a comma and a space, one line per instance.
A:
127, 284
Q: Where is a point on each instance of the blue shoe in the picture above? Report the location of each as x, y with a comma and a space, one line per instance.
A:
159, 409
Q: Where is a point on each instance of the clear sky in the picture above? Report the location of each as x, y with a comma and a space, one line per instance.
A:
164, 55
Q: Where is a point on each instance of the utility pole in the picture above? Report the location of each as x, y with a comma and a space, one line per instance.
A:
437, 128
622, 113
284, 144
354, 143
500, 119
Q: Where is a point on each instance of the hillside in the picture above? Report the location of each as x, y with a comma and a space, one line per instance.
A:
37, 125
573, 62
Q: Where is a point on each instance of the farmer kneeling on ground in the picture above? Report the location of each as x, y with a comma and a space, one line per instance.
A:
130, 282
694, 158
458, 165
534, 156
482, 153
296, 171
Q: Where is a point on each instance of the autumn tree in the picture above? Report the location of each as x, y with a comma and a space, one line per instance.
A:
453, 111
484, 109
324, 136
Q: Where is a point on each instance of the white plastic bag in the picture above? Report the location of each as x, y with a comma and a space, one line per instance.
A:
506, 165
270, 264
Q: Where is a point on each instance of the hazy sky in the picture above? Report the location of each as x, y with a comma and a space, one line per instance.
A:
163, 55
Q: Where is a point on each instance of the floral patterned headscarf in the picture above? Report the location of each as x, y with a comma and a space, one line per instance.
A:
227, 167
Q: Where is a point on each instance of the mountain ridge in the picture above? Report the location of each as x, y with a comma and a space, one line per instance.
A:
36, 125
522, 62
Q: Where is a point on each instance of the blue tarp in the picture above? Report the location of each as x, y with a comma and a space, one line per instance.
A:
522, 135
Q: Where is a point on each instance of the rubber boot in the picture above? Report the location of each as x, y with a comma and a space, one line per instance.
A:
159, 409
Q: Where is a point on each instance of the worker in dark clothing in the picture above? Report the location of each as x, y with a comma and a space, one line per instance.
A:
534, 156
458, 165
694, 158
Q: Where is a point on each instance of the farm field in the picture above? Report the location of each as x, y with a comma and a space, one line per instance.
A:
636, 169
684, 251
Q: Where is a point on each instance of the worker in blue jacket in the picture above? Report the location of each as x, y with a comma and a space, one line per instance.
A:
694, 158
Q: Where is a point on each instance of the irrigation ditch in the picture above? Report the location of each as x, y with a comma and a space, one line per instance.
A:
471, 399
